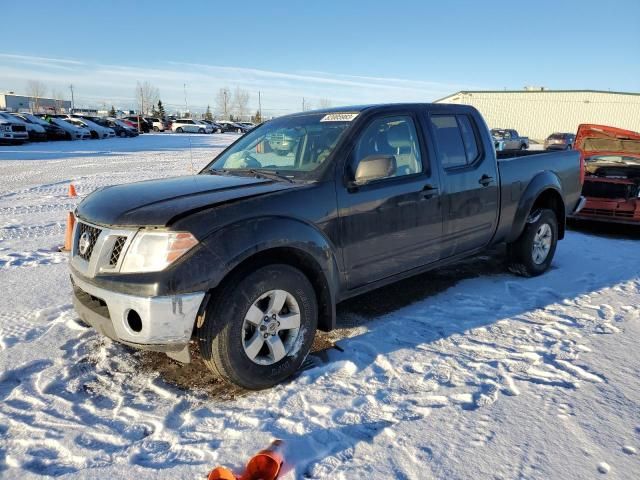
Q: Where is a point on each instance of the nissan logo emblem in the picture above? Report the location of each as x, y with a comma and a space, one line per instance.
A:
84, 243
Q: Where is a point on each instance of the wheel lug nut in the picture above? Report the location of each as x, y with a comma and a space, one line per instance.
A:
263, 328
273, 316
266, 335
278, 323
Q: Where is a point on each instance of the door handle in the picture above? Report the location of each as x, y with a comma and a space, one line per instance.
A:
485, 180
429, 191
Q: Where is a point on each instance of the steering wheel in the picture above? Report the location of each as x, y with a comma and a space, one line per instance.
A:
250, 161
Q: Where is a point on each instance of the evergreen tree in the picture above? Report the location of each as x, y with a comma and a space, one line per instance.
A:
208, 115
257, 118
112, 112
161, 113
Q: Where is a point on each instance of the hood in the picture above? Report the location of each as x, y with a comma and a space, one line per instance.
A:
160, 202
599, 139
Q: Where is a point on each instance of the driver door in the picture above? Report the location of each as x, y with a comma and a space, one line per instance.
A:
392, 224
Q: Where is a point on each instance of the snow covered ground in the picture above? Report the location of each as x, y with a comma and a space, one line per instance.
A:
464, 373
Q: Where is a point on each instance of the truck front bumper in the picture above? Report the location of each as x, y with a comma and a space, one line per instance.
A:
162, 324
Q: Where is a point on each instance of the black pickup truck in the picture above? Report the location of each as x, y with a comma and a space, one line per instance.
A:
250, 256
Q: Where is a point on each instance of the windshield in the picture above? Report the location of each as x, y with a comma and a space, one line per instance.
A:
297, 146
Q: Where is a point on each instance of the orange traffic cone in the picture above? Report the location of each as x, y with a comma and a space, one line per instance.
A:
221, 473
264, 465
68, 233
72, 190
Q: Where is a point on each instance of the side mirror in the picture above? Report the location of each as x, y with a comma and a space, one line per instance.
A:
375, 167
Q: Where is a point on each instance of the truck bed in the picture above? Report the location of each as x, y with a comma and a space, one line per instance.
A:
518, 175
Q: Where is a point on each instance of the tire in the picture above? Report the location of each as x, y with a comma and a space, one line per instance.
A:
227, 338
156, 129
201, 130
219, 130
523, 146
528, 256
179, 130
239, 130
569, 147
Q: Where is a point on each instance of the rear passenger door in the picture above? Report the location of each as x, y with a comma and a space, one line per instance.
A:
469, 180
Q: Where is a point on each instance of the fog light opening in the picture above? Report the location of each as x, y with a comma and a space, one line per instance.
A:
134, 321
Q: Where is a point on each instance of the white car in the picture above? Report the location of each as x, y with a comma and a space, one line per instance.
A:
158, 125
35, 132
97, 131
192, 126
12, 132
76, 132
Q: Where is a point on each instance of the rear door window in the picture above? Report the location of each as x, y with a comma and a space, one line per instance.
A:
456, 140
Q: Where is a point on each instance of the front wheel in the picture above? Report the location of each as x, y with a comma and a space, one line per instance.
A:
239, 130
201, 130
523, 146
179, 130
533, 252
260, 327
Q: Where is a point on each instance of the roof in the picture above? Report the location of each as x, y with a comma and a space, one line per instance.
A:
536, 91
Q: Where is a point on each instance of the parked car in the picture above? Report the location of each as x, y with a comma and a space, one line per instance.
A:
508, 139
140, 123
13, 132
75, 132
228, 126
250, 257
189, 125
216, 128
53, 132
130, 131
560, 141
120, 129
157, 125
36, 132
249, 125
612, 181
97, 130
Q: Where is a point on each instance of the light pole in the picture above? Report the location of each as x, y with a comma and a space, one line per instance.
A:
72, 102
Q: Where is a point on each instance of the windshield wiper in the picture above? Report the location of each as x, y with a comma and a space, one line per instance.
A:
270, 174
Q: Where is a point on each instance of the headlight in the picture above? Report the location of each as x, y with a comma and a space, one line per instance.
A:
5, 128
154, 251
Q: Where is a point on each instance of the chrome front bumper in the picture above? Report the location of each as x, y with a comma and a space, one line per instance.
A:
165, 325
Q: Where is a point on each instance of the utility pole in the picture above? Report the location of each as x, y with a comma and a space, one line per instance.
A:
259, 106
72, 102
303, 104
186, 106
225, 105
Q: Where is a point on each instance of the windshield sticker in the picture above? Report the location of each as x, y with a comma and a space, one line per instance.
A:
339, 117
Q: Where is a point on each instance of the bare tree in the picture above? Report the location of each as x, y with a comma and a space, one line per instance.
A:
240, 102
324, 103
36, 90
147, 97
223, 102
58, 101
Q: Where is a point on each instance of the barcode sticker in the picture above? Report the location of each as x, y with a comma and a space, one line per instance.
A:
339, 117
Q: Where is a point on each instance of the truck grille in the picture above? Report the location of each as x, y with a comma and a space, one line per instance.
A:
609, 190
92, 233
117, 250
607, 213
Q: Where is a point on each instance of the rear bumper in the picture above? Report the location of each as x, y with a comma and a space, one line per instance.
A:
166, 323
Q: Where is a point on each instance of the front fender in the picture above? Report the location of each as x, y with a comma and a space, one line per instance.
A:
239, 242
542, 181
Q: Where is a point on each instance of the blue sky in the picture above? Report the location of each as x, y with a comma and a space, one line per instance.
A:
347, 52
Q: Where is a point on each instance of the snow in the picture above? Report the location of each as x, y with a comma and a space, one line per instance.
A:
466, 372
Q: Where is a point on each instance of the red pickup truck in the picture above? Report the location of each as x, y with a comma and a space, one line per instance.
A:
612, 174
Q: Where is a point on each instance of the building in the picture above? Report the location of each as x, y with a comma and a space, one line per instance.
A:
21, 103
536, 112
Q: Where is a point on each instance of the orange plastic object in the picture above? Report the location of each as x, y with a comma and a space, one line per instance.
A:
266, 464
72, 190
221, 473
68, 233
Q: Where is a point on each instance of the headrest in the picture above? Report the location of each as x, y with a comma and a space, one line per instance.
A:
399, 136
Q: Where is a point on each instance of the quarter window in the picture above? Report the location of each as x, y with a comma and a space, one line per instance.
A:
395, 136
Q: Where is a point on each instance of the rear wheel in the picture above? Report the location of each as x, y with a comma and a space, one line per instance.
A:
523, 146
201, 130
260, 327
239, 130
179, 130
156, 129
533, 252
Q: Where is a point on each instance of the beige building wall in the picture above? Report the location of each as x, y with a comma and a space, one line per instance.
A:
537, 114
